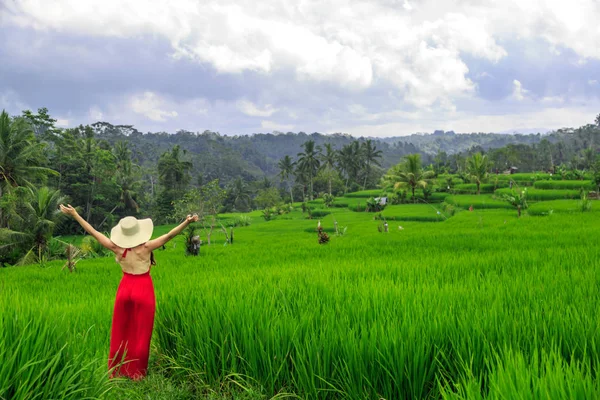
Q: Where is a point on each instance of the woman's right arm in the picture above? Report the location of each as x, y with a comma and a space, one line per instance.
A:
103, 240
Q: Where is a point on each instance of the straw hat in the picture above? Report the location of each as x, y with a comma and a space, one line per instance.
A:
131, 232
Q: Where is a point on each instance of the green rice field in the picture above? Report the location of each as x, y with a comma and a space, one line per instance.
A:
479, 305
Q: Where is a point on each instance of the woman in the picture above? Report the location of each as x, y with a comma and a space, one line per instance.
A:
133, 318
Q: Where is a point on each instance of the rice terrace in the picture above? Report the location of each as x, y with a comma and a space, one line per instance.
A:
378, 257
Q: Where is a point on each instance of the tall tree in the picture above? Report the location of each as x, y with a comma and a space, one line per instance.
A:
22, 157
308, 162
38, 215
329, 159
370, 156
286, 170
173, 172
239, 194
174, 177
349, 159
409, 173
478, 169
597, 120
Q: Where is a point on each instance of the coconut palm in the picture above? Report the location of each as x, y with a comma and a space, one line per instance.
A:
286, 170
349, 161
409, 173
309, 163
239, 192
477, 169
38, 219
329, 159
173, 172
370, 156
21, 156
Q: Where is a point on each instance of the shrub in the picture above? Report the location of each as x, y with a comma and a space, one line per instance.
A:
242, 220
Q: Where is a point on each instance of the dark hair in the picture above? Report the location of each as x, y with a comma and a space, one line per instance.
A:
152, 260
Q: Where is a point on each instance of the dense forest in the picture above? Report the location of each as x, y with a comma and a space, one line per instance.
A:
109, 171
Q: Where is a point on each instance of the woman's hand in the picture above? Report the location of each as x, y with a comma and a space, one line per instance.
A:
69, 210
191, 218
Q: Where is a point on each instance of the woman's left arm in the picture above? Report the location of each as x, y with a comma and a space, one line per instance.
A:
154, 244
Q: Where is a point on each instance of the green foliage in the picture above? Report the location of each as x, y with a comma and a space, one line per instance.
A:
557, 206
409, 174
585, 204
559, 185
243, 220
365, 194
543, 195
319, 213
91, 248
471, 188
477, 168
328, 199
37, 217
204, 201
374, 205
517, 199
267, 197
477, 201
501, 276
267, 214
192, 241
414, 212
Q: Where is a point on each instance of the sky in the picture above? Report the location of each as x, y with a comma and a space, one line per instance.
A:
368, 68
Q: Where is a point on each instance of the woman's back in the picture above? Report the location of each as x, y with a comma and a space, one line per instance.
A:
135, 261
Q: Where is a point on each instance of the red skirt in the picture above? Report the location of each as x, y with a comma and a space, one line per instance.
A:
132, 325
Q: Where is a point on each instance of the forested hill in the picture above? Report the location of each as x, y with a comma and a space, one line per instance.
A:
254, 156
453, 143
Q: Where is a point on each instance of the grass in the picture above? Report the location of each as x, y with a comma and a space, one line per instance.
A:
483, 304
471, 188
558, 206
477, 201
366, 194
414, 212
561, 185
543, 195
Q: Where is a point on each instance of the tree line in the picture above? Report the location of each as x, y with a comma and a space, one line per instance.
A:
108, 175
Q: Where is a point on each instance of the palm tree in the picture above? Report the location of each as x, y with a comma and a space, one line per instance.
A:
477, 169
286, 169
39, 217
308, 162
329, 159
597, 120
370, 156
589, 157
173, 173
409, 173
349, 161
239, 191
21, 156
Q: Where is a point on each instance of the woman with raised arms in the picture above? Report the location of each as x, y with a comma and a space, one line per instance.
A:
135, 304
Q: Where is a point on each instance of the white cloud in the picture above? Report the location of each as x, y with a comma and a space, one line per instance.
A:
532, 121
519, 92
250, 109
351, 44
150, 105
274, 126
11, 102
592, 82
96, 113
62, 122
